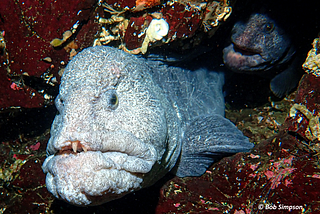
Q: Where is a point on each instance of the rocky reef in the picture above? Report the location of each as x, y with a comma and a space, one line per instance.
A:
50, 33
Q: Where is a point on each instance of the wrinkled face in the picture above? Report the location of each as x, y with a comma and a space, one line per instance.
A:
110, 130
255, 45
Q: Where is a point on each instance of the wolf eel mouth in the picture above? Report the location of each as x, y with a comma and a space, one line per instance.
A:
240, 59
123, 148
244, 51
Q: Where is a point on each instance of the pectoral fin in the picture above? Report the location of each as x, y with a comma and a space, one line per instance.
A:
282, 84
207, 139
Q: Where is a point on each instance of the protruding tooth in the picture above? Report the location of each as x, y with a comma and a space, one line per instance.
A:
84, 148
74, 146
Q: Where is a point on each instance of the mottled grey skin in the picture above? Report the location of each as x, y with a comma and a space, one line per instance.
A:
124, 122
259, 45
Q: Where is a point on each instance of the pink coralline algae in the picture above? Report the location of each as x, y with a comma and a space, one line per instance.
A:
136, 24
27, 28
35, 147
183, 23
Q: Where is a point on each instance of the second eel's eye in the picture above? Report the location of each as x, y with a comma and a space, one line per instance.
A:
269, 27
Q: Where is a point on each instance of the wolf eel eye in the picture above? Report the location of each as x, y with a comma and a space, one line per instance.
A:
269, 27
59, 103
114, 100
106, 100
